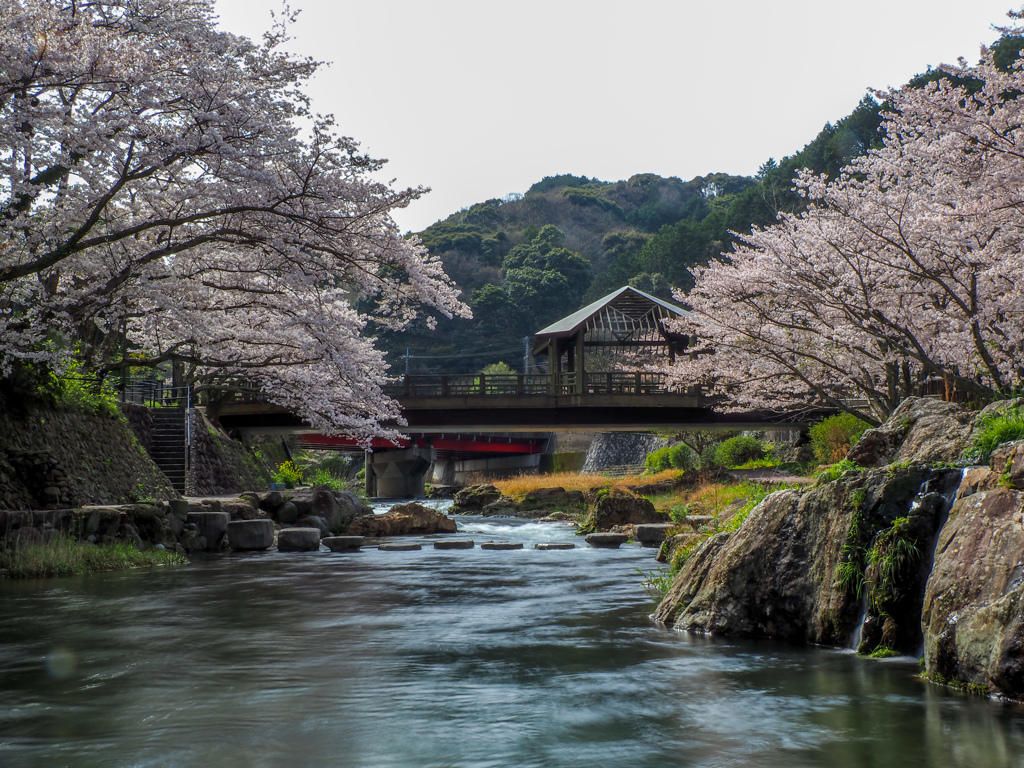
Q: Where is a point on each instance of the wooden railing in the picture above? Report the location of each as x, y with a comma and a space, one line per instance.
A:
529, 385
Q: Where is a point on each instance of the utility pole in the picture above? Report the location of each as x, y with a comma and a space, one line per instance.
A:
406, 361
526, 354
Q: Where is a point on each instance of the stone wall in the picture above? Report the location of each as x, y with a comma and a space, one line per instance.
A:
220, 465
58, 459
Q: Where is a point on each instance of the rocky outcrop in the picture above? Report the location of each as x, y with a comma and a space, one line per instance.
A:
540, 502
920, 430
337, 509
618, 508
929, 556
779, 574
403, 520
973, 611
471, 499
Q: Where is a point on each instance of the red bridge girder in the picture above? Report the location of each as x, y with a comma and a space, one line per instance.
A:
456, 443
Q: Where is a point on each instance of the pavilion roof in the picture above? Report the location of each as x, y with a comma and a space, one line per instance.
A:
628, 301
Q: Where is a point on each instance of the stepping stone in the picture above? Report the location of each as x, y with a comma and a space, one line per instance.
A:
652, 534
343, 543
555, 545
250, 535
502, 545
298, 540
606, 540
456, 544
399, 547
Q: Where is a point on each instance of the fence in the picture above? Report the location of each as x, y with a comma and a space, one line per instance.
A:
527, 385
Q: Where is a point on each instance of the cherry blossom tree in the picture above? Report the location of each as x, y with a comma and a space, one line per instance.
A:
906, 270
168, 193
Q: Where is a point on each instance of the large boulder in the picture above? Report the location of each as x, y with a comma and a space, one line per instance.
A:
325, 506
973, 612
351, 505
210, 525
286, 514
620, 508
778, 574
403, 520
921, 430
1007, 462
313, 521
473, 498
652, 534
338, 508
270, 502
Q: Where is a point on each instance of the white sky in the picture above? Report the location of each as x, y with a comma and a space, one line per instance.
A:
477, 99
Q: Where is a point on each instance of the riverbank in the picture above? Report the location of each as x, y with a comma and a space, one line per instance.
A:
64, 555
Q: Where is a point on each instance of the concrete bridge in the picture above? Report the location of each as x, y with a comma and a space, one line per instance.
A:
491, 422
478, 423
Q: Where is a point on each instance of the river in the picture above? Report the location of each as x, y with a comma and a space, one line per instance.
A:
465, 658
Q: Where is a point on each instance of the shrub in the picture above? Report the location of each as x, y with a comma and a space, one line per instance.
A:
739, 450
832, 438
325, 478
707, 456
288, 474
994, 430
671, 457
498, 369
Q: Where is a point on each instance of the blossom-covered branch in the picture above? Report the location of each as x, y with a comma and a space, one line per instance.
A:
165, 186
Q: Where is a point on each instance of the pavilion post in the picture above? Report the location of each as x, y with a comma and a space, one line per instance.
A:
581, 368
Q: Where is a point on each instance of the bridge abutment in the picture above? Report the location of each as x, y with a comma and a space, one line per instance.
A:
398, 474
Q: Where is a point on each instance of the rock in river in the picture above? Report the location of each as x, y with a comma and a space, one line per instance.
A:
298, 540
250, 534
454, 544
342, 543
606, 540
402, 520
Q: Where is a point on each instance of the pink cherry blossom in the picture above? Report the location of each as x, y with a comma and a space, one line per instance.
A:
167, 190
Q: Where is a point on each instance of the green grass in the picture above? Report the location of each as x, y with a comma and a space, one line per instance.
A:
837, 470
883, 653
656, 583
993, 431
66, 556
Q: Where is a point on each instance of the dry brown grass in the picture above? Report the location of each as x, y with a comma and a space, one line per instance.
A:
573, 481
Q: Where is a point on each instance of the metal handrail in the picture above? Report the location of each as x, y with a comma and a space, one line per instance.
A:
155, 393
530, 385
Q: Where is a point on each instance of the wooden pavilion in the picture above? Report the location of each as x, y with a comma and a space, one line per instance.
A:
627, 323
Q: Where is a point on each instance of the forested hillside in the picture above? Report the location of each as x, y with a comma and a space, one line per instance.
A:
525, 260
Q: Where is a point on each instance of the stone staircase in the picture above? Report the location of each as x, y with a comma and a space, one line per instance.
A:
169, 446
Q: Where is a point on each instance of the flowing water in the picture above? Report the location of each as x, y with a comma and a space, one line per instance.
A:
443, 658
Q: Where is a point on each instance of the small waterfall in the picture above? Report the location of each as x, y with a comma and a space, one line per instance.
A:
934, 498
619, 449
858, 630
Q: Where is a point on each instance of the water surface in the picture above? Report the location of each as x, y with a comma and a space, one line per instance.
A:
443, 658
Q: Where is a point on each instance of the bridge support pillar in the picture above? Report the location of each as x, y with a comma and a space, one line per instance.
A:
398, 474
